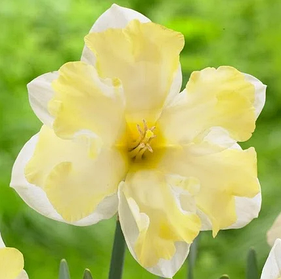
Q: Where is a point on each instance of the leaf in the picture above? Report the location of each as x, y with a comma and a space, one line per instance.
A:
118, 254
64, 271
252, 267
192, 258
87, 274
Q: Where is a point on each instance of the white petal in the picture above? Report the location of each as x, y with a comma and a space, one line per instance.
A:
164, 268
275, 231
36, 198
247, 209
40, 93
272, 267
260, 89
2, 244
23, 275
175, 87
115, 17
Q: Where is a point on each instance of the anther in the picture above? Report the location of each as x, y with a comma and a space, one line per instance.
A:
139, 146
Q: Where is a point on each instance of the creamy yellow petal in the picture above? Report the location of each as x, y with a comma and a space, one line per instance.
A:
160, 220
145, 57
163, 268
11, 263
222, 175
115, 17
83, 101
246, 210
77, 175
220, 97
36, 197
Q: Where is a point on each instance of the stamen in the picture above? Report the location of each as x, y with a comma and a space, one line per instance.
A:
144, 124
149, 148
139, 146
139, 129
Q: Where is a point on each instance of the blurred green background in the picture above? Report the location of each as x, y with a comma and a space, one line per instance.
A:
38, 36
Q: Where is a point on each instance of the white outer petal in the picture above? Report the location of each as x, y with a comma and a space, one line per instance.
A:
40, 92
115, 17
247, 209
175, 87
23, 275
275, 231
272, 267
36, 198
260, 90
164, 268
2, 244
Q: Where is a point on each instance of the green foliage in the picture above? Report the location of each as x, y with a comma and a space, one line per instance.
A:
118, 254
39, 36
87, 274
64, 271
192, 258
252, 266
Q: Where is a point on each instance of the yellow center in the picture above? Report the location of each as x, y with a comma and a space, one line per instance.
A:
138, 147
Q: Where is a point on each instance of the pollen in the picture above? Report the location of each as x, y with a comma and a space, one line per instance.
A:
143, 143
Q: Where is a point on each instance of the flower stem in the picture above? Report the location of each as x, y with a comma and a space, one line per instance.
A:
192, 258
118, 254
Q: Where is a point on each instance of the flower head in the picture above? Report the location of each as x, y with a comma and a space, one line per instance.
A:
11, 263
118, 136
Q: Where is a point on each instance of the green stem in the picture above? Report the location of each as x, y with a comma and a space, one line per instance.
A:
192, 258
118, 254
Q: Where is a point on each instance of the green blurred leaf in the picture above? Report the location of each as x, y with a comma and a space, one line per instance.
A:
87, 274
64, 270
224, 277
192, 257
252, 267
118, 253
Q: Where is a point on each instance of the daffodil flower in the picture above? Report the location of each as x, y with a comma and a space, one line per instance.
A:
272, 267
117, 136
11, 263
